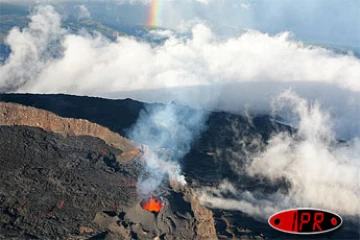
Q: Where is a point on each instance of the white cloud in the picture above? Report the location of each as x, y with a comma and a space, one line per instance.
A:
160, 34
245, 5
32, 48
260, 63
252, 56
83, 12
187, 26
203, 1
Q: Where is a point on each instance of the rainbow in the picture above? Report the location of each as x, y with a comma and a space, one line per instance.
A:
155, 11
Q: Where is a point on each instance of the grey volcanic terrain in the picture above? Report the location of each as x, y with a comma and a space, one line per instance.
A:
69, 170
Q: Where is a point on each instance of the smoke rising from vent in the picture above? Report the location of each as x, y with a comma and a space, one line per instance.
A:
170, 126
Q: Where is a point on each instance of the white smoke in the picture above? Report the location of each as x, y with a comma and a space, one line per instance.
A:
156, 169
323, 173
170, 126
245, 201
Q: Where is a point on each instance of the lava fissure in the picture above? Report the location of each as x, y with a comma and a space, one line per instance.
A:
152, 204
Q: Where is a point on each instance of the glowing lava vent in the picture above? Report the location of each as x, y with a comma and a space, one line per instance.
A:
152, 204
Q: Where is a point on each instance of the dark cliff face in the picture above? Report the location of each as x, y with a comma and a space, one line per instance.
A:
120, 115
117, 115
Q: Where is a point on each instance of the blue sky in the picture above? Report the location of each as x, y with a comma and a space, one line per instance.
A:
327, 22
320, 21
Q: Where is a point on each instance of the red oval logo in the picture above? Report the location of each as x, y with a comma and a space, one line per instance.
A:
305, 221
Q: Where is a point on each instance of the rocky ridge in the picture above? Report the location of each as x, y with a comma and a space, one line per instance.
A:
16, 114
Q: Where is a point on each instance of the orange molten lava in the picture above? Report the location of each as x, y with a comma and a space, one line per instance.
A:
153, 204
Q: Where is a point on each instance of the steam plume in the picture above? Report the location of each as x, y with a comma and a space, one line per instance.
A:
323, 173
170, 126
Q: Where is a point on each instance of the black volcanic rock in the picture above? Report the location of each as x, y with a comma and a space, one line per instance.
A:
51, 186
117, 115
